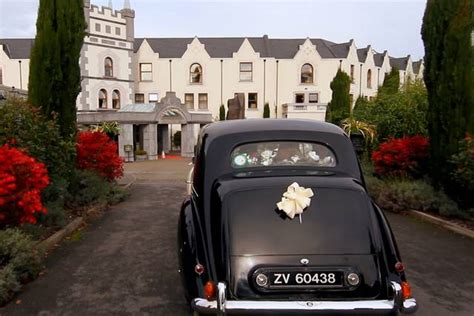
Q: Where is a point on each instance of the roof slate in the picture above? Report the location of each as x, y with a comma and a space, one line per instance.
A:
378, 59
399, 63
417, 66
17, 48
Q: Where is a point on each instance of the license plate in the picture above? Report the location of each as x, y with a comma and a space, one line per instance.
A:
305, 279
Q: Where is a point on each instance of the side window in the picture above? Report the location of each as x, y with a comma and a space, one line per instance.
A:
102, 99
108, 67
116, 99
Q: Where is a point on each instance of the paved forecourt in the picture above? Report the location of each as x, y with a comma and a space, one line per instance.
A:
126, 262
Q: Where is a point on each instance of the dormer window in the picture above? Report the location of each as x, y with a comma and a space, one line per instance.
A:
307, 73
195, 73
108, 67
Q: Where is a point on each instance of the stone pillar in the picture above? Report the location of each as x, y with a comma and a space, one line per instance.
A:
188, 140
165, 138
126, 138
150, 143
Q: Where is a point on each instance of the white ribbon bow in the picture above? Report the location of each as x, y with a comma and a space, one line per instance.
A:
295, 200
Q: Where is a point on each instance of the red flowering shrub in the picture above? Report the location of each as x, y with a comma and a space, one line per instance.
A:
22, 179
401, 157
97, 152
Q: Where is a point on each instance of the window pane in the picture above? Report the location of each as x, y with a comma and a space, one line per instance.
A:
189, 100
282, 153
313, 98
145, 67
195, 73
245, 76
107, 28
299, 98
245, 66
252, 101
203, 101
307, 73
139, 98
116, 99
146, 76
153, 97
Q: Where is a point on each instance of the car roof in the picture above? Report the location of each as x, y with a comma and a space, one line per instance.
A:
265, 125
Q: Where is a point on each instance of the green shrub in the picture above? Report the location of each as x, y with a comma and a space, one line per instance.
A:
266, 111
402, 113
19, 262
222, 113
116, 194
87, 188
463, 173
9, 284
23, 126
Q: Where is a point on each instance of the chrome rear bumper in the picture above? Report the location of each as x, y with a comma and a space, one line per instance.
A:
221, 306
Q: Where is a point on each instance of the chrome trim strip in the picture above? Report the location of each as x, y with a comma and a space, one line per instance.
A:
204, 304
221, 305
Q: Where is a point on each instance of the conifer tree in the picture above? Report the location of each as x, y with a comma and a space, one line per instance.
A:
222, 113
266, 111
340, 106
54, 81
449, 78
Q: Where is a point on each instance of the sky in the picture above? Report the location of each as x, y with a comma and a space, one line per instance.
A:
392, 25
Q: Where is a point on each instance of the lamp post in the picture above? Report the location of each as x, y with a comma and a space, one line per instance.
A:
360, 80
171, 78
21, 79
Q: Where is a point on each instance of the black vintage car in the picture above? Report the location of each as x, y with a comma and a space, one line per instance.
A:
278, 221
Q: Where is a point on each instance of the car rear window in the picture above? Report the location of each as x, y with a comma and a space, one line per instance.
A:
282, 153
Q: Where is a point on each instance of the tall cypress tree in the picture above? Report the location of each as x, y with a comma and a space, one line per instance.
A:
340, 106
446, 33
54, 81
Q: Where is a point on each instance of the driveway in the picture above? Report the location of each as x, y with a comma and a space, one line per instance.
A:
126, 264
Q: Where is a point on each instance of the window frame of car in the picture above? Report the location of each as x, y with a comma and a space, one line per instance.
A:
285, 166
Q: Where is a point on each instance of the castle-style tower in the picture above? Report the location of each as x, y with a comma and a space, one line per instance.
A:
106, 58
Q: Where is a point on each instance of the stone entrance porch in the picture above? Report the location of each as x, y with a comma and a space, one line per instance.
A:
147, 126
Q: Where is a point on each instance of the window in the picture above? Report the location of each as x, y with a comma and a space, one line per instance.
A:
152, 97
139, 98
97, 27
282, 153
203, 101
352, 73
117, 31
252, 100
313, 98
189, 100
369, 79
307, 73
108, 67
146, 73
246, 71
1, 76
299, 98
116, 99
102, 99
107, 29
195, 73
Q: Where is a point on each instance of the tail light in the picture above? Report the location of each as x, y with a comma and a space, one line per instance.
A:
399, 267
406, 290
199, 269
210, 290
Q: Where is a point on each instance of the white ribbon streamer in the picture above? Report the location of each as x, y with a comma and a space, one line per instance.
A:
295, 200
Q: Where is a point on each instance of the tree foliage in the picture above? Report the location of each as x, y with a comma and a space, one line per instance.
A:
396, 115
449, 73
340, 106
266, 111
391, 82
222, 113
54, 82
